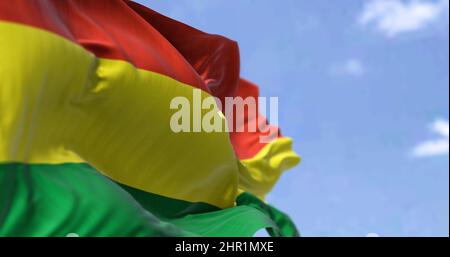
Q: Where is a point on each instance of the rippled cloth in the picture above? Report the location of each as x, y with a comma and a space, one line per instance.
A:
85, 141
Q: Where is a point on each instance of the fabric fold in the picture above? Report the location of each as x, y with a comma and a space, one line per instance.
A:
86, 145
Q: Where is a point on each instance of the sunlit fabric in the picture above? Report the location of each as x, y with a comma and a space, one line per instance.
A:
85, 142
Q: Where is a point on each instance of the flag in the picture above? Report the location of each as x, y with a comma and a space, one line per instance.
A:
85, 142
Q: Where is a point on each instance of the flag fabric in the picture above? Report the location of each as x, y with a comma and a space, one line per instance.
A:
85, 142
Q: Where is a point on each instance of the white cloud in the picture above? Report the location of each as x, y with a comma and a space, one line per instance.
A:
393, 17
351, 67
434, 147
441, 127
372, 235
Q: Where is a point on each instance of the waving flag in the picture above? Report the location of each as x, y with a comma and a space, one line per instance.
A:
85, 141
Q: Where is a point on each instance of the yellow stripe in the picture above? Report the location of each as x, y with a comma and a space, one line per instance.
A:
59, 103
260, 173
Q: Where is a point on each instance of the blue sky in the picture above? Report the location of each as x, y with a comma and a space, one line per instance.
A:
363, 89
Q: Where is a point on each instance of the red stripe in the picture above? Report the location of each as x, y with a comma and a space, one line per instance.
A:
215, 58
247, 144
107, 28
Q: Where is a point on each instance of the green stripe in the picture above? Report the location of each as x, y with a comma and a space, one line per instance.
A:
285, 226
231, 222
167, 208
55, 200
